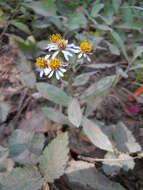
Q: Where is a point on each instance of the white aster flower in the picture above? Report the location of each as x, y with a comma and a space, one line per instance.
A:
60, 45
85, 50
42, 65
55, 66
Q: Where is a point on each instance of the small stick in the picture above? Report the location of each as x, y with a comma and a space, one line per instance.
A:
93, 160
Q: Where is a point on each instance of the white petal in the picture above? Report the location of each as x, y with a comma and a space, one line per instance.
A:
47, 57
65, 64
73, 50
62, 69
47, 71
80, 55
49, 46
73, 46
55, 54
54, 47
84, 55
51, 74
88, 58
41, 73
60, 73
57, 75
66, 54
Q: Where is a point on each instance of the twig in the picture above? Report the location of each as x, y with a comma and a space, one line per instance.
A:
93, 160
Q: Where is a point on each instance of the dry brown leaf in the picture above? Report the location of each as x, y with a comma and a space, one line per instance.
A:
45, 186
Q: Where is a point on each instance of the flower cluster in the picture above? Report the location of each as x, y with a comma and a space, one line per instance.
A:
59, 50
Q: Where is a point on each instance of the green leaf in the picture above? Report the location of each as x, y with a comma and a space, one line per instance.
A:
26, 178
74, 112
27, 76
126, 13
113, 48
53, 93
139, 75
103, 27
55, 115
25, 147
4, 110
42, 7
3, 158
120, 43
28, 79
99, 86
96, 135
21, 26
37, 143
82, 79
116, 5
18, 143
108, 13
137, 53
100, 66
125, 140
77, 21
55, 158
96, 9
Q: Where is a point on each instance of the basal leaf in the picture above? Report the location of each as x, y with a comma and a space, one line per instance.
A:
96, 9
120, 42
116, 5
125, 140
77, 21
55, 115
137, 53
55, 158
26, 178
74, 112
37, 143
99, 86
53, 93
28, 79
42, 7
21, 26
4, 110
96, 135
113, 49
23, 145
82, 79
18, 143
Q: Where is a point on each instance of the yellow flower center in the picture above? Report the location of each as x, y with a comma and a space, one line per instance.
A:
54, 64
54, 38
62, 44
85, 47
41, 62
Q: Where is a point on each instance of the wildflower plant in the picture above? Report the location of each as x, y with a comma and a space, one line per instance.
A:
59, 54
28, 162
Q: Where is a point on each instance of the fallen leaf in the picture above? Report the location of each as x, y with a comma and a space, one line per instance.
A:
35, 121
45, 186
133, 109
136, 93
